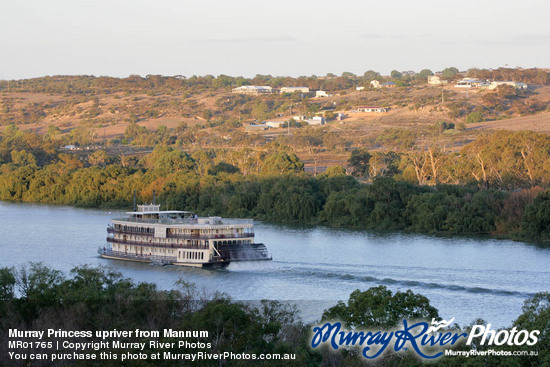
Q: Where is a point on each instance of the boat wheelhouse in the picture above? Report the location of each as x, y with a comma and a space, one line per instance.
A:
181, 238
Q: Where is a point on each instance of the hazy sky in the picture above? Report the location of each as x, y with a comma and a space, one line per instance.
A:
283, 37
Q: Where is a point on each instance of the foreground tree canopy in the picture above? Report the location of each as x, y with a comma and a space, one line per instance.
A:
37, 297
378, 308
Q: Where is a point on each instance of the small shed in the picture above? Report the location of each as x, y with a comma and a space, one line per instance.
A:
274, 124
316, 120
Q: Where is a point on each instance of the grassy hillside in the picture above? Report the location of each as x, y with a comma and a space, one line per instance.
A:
90, 111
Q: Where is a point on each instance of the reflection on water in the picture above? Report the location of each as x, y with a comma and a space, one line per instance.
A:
465, 278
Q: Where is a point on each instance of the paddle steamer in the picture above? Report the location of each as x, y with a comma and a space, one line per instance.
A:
181, 238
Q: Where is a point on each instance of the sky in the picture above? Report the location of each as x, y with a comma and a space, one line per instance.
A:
282, 38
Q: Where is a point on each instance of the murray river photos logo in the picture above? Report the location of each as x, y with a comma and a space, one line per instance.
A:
427, 340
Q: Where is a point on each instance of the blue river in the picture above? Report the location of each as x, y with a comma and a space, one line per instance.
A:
464, 278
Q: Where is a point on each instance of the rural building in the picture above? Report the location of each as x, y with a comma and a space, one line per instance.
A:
388, 85
375, 84
255, 127
252, 89
495, 84
274, 124
294, 90
321, 93
470, 83
316, 120
434, 80
372, 109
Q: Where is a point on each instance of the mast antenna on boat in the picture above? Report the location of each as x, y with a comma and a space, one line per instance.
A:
134, 200
153, 197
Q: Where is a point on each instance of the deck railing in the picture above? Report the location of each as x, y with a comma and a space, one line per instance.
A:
185, 236
155, 244
133, 256
209, 236
112, 230
193, 221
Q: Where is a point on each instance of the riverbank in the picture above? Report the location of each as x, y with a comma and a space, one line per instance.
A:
337, 201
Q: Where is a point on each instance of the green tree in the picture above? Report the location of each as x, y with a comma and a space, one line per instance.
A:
330, 115
175, 161
536, 219
313, 108
168, 159
377, 307
82, 135
449, 73
23, 158
39, 283
371, 75
397, 138
260, 110
53, 133
280, 163
474, 117
536, 316
347, 74
231, 327
98, 158
384, 164
396, 74
7, 284
204, 160
425, 73
335, 171
359, 162
223, 167
441, 126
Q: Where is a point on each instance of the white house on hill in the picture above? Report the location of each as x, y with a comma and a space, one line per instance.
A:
294, 90
372, 109
252, 89
321, 93
496, 84
469, 83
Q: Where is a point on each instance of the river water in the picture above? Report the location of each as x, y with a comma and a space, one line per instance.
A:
465, 278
